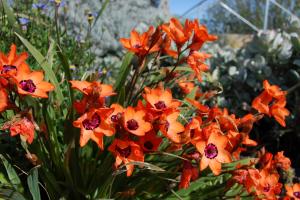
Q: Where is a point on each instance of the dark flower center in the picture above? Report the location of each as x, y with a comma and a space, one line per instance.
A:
267, 188
211, 151
91, 124
297, 194
167, 125
148, 145
132, 125
115, 118
137, 46
160, 105
7, 68
124, 152
28, 85
192, 133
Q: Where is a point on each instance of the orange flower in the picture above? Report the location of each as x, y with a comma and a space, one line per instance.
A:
279, 112
170, 127
166, 47
116, 116
150, 142
200, 36
261, 103
160, 99
3, 99
125, 152
273, 90
93, 125
134, 122
193, 131
186, 86
89, 88
32, 83
143, 44
272, 102
213, 152
293, 191
196, 62
178, 33
23, 127
200, 107
9, 65
94, 95
282, 161
267, 185
189, 173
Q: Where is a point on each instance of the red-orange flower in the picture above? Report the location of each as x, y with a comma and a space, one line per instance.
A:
170, 127
150, 142
94, 95
196, 61
267, 185
32, 83
134, 122
186, 86
126, 151
282, 161
143, 44
178, 33
3, 99
279, 112
94, 126
160, 99
189, 173
201, 36
272, 102
213, 152
116, 116
10, 63
23, 127
293, 191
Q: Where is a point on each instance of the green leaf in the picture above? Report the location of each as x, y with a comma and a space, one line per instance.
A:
12, 175
45, 65
10, 16
33, 184
100, 12
233, 165
124, 71
121, 96
10, 194
192, 94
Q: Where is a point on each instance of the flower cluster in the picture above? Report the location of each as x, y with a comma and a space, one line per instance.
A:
205, 136
18, 80
213, 135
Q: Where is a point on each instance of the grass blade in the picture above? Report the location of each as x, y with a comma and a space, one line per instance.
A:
33, 184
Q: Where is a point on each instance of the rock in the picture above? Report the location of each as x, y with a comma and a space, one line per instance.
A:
117, 20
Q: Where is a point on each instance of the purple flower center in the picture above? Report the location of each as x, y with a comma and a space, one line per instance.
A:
132, 125
297, 194
115, 118
211, 151
137, 46
7, 68
28, 85
148, 145
91, 124
267, 188
167, 126
124, 152
160, 105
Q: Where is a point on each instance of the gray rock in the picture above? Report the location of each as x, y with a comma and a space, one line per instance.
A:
117, 20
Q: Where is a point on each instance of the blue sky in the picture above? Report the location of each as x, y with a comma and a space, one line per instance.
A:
178, 7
